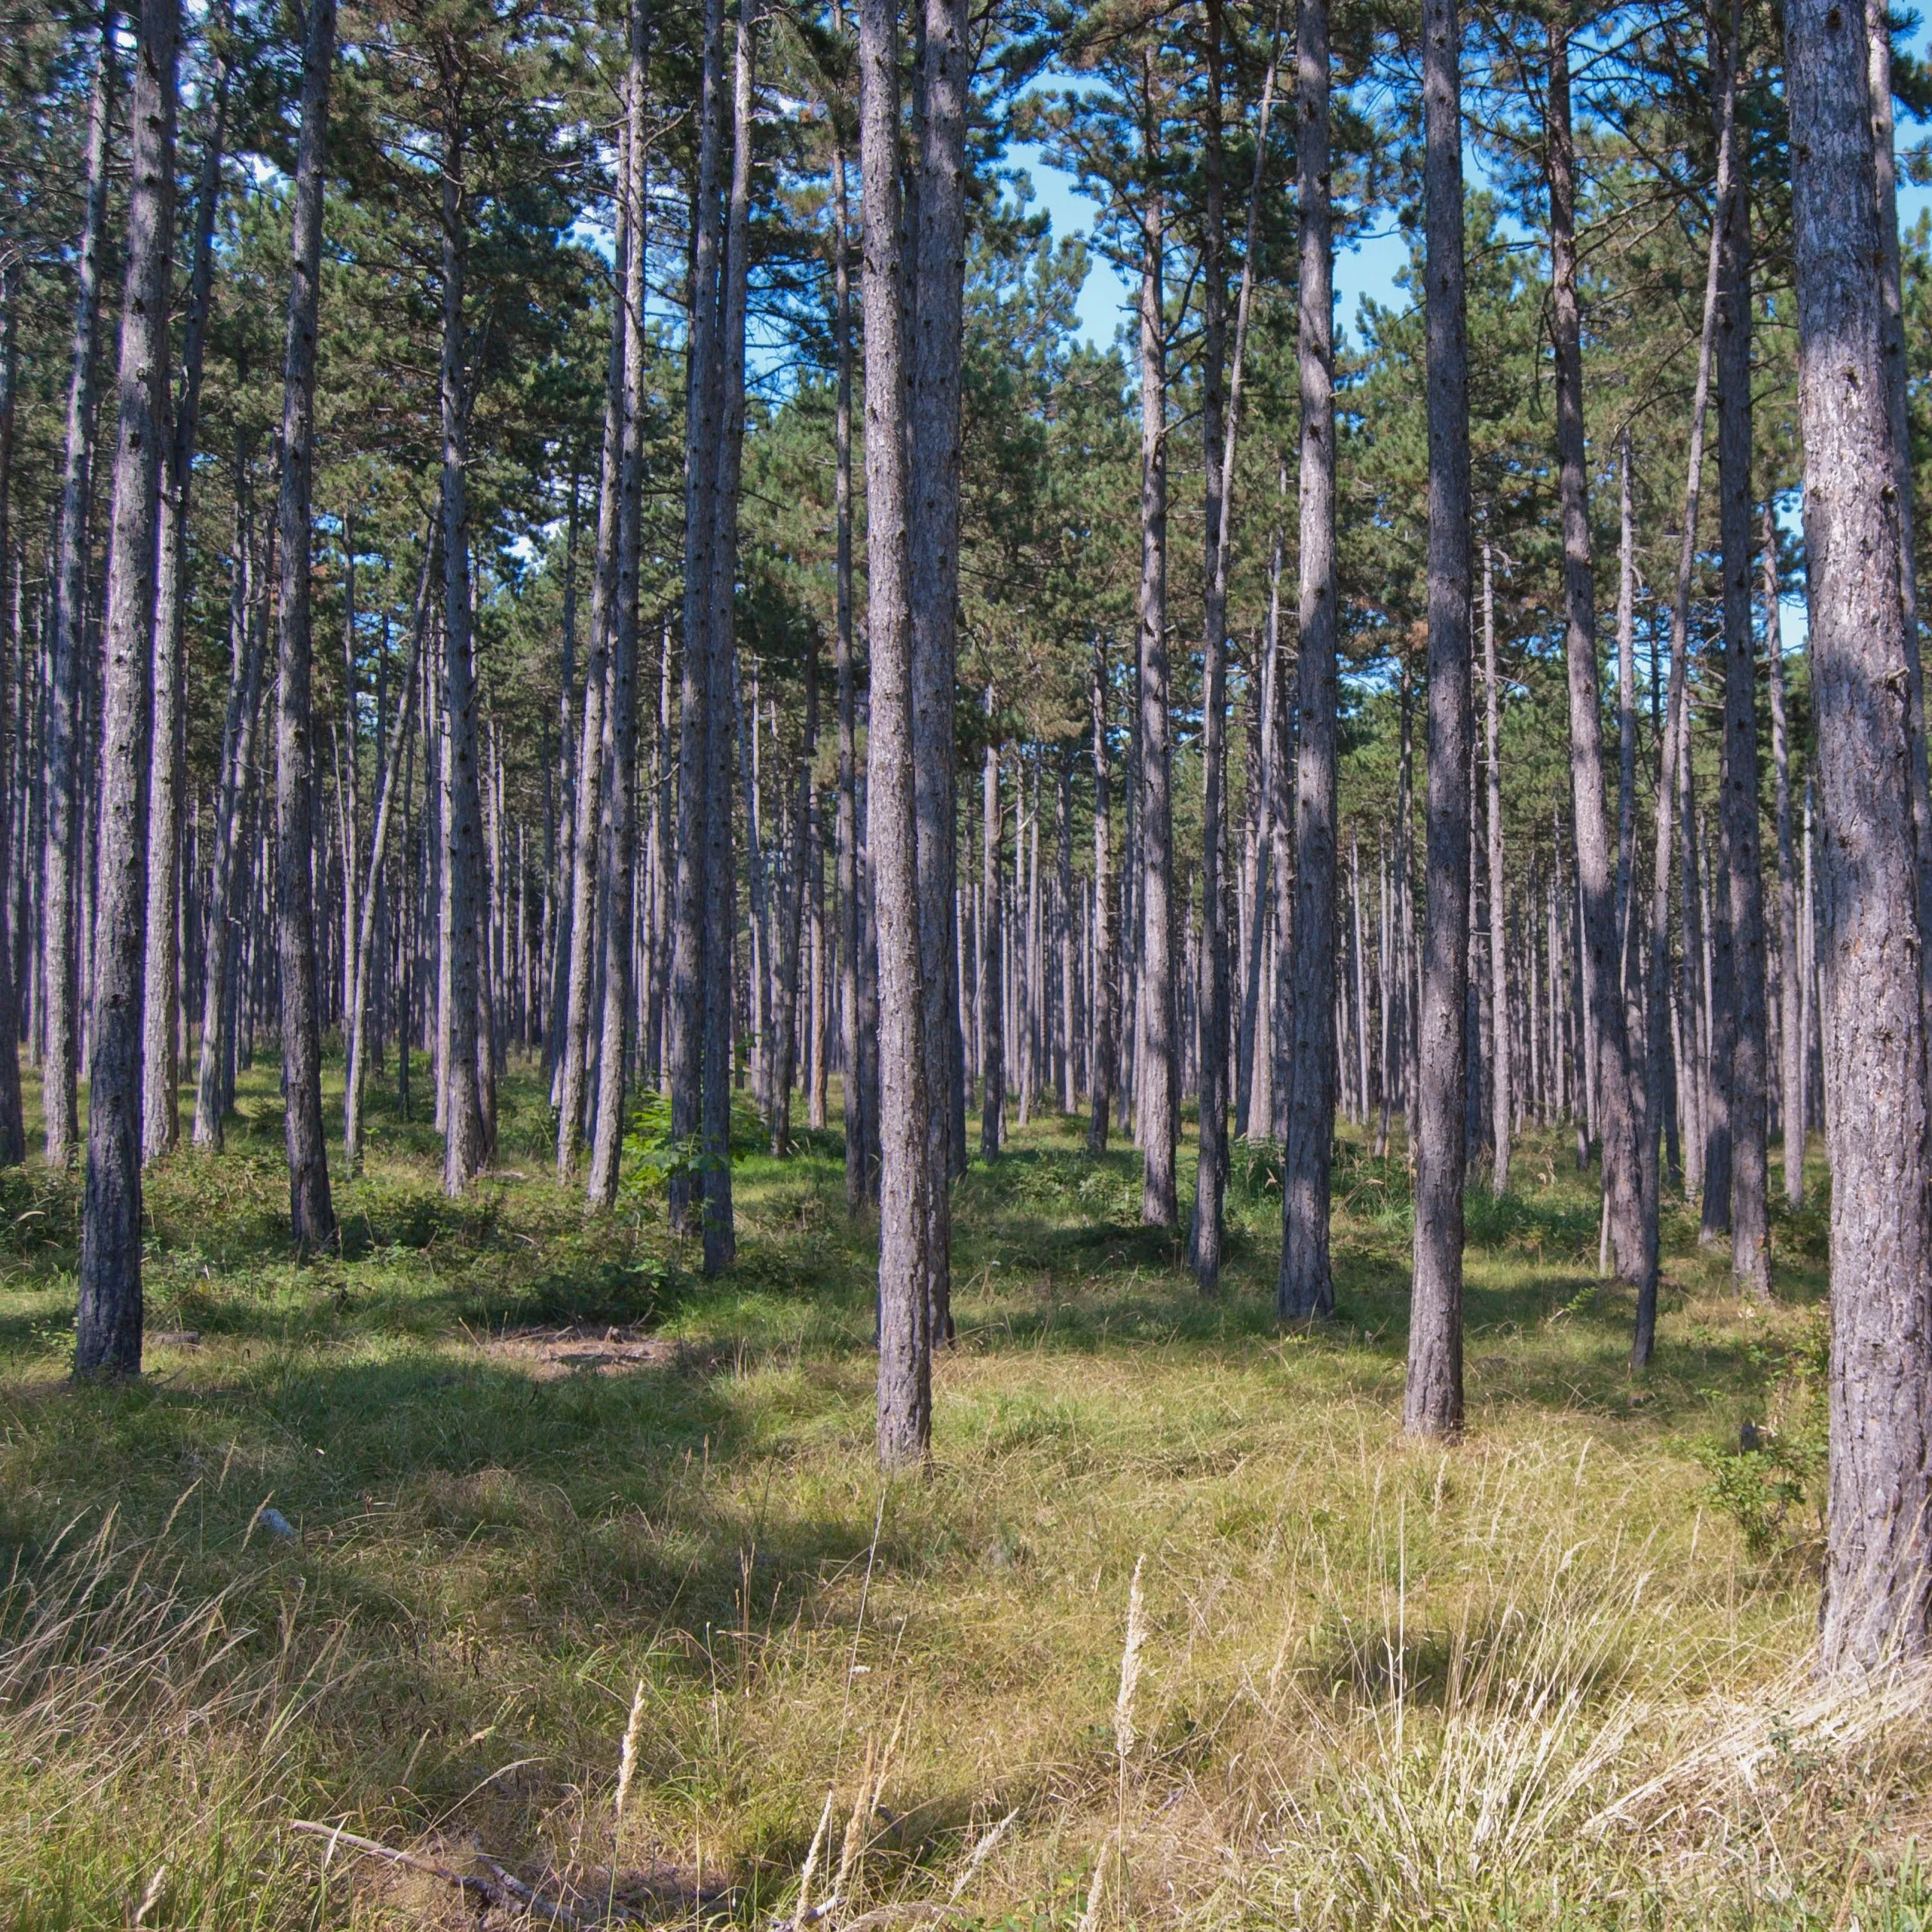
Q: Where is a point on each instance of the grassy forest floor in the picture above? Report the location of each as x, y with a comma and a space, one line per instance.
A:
540, 1485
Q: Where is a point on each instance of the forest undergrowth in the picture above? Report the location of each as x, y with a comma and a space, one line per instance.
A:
501, 1539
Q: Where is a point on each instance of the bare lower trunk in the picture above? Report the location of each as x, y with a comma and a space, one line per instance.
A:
1499, 1055
13, 737
1790, 967
1432, 1403
992, 959
1106, 973
1740, 982
107, 1325
620, 719
312, 1213
906, 1393
1602, 960
167, 758
1306, 1284
61, 754
1876, 1583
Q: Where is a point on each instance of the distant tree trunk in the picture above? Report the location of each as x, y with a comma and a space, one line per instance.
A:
905, 1391
1433, 1402
792, 922
107, 1325
938, 221
1741, 996
992, 956
167, 767
1304, 1286
620, 718
857, 1136
1500, 1077
237, 768
1211, 981
465, 1131
312, 1213
359, 978
61, 757
1106, 972
1675, 742
1156, 1086
1876, 1579
1602, 988
1790, 967
1626, 724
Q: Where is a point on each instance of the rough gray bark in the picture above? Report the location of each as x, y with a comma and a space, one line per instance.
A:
1156, 1086
852, 1088
1500, 1088
1876, 1580
619, 817
1306, 1284
992, 957
1602, 975
237, 769
1656, 1058
1739, 1063
59, 989
465, 1130
1100, 1084
1207, 1232
720, 901
933, 382
311, 1212
1790, 967
1432, 1401
167, 765
905, 1390
13, 1126
107, 1325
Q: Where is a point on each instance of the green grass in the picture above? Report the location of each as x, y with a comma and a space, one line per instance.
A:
1539, 1678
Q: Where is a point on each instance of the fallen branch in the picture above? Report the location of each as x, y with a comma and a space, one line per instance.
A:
499, 1888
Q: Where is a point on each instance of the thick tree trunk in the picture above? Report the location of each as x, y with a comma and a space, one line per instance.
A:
312, 1213
61, 754
107, 1325
1790, 967
1740, 990
1210, 1033
1156, 1086
905, 1391
1876, 1583
1622, 1169
1432, 1403
167, 764
1306, 1285
465, 1129
619, 878
1500, 1074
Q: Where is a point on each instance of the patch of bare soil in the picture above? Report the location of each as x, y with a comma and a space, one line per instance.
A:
549, 1354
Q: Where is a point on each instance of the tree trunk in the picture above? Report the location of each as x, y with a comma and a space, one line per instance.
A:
785, 1020
1622, 1173
1876, 1606
1790, 967
13, 744
312, 1213
1157, 1091
1306, 1285
905, 1391
107, 1325
1675, 742
1740, 983
1432, 1403
1626, 727
1106, 972
167, 769
620, 717
1499, 1055
992, 957
61, 755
